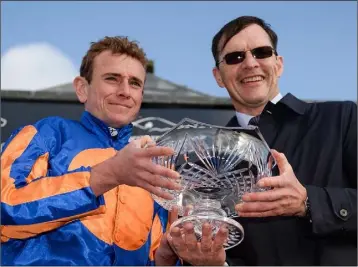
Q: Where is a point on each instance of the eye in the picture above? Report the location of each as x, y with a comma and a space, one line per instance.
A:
111, 78
135, 83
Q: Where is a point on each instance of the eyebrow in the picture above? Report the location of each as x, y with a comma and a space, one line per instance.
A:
120, 75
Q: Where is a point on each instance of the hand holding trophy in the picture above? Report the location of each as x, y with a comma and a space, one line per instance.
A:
217, 166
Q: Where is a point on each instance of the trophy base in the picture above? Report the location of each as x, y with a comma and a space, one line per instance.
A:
236, 231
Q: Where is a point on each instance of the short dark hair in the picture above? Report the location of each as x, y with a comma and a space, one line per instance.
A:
117, 45
234, 27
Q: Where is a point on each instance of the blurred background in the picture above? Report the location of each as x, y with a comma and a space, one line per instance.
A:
42, 45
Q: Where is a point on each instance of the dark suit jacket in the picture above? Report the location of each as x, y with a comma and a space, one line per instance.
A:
320, 142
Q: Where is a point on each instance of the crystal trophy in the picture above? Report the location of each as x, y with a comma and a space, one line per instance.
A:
217, 166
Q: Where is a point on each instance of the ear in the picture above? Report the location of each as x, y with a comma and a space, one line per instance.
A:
81, 87
217, 76
279, 62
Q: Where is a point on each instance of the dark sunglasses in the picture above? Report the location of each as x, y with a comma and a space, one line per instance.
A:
239, 56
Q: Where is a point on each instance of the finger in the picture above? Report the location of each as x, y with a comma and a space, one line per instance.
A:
206, 239
150, 144
269, 213
145, 141
270, 195
157, 151
161, 182
191, 241
270, 162
275, 181
157, 191
176, 241
188, 209
182, 232
173, 215
169, 238
256, 207
166, 240
160, 170
220, 239
142, 141
282, 162
165, 162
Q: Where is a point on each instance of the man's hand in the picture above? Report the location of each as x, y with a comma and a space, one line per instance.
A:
182, 243
133, 166
165, 255
207, 252
287, 198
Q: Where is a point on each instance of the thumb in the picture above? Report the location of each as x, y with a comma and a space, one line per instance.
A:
282, 162
173, 215
164, 240
143, 142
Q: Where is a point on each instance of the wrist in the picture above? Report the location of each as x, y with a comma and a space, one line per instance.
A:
308, 209
164, 255
303, 207
102, 178
162, 259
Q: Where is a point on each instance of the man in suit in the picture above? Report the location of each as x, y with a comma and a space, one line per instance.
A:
310, 215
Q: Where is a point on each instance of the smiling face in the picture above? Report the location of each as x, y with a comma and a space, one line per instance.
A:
116, 90
253, 82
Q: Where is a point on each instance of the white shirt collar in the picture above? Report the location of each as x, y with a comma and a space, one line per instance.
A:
244, 119
276, 98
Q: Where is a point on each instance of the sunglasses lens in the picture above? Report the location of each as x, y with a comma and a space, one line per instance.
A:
234, 57
239, 56
262, 52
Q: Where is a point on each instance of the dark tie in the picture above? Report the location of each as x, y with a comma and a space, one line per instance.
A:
255, 121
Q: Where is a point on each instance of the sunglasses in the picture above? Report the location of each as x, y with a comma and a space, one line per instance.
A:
239, 56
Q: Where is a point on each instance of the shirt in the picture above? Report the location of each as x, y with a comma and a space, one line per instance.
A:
244, 119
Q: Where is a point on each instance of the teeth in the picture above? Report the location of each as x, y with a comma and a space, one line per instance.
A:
252, 79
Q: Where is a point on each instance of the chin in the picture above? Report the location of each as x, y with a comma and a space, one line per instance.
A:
255, 96
254, 100
118, 121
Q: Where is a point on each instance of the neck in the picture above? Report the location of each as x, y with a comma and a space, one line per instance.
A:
253, 109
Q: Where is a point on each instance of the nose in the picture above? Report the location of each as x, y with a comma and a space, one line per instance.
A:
124, 89
250, 62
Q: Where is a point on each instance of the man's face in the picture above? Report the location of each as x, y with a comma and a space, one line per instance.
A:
116, 91
249, 93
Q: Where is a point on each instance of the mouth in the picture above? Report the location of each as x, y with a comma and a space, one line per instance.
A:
120, 105
252, 79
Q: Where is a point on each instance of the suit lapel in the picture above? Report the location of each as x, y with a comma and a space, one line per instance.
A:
233, 122
268, 126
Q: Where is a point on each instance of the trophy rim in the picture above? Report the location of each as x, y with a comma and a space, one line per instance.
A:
249, 127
